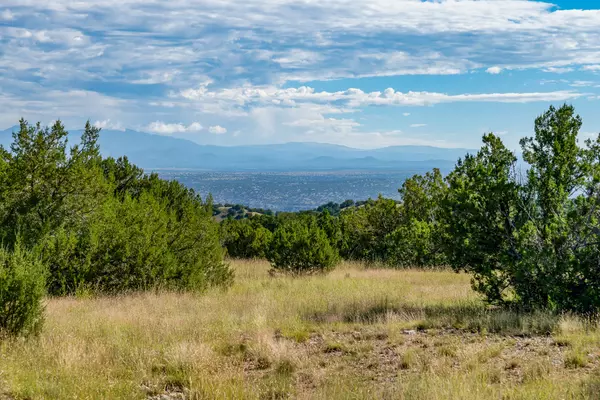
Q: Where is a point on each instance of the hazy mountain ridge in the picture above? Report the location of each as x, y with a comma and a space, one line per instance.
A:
161, 152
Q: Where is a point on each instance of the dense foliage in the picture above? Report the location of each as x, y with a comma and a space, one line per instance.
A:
22, 288
527, 232
301, 248
531, 239
245, 238
100, 224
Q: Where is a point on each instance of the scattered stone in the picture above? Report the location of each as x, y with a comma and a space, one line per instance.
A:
409, 332
168, 396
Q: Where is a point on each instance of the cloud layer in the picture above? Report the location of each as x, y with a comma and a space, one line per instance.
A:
247, 69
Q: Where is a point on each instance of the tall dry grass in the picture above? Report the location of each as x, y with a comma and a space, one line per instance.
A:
355, 333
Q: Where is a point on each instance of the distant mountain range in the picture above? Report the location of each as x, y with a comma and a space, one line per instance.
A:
162, 152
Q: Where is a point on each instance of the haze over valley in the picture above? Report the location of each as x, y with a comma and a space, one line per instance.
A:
151, 151
280, 177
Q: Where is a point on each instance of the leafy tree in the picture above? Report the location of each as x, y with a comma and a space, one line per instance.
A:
124, 177
22, 289
47, 186
415, 244
562, 255
268, 221
531, 241
481, 211
331, 207
139, 244
104, 224
347, 203
301, 248
421, 197
245, 238
418, 240
331, 226
558, 164
365, 229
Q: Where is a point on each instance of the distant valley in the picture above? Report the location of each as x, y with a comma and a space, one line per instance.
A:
290, 190
280, 177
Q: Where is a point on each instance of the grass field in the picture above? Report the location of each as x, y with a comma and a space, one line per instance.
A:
354, 334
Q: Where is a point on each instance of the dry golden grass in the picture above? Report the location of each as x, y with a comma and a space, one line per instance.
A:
353, 334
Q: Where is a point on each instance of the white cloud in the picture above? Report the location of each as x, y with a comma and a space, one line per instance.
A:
163, 128
256, 52
217, 130
66, 37
7, 15
390, 97
494, 70
134, 40
378, 139
355, 98
575, 83
296, 16
321, 123
108, 124
558, 70
71, 106
406, 114
303, 113
554, 81
585, 84
155, 77
298, 57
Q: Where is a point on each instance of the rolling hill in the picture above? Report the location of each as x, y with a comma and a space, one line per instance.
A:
162, 152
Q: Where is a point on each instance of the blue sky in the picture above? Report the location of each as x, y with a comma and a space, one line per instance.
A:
362, 74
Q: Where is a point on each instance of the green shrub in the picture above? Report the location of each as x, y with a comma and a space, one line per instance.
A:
102, 224
245, 238
22, 289
300, 247
414, 245
137, 245
365, 228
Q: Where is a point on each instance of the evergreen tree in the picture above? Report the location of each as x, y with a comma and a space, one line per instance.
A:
300, 248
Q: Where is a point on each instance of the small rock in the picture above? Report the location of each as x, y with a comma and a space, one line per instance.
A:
410, 332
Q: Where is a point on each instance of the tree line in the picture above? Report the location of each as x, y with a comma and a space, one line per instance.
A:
73, 222
528, 232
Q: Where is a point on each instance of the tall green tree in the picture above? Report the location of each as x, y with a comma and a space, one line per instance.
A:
22, 291
418, 240
562, 214
530, 239
365, 228
46, 184
481, 210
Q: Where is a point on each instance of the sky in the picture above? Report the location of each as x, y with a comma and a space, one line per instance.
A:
364, 74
